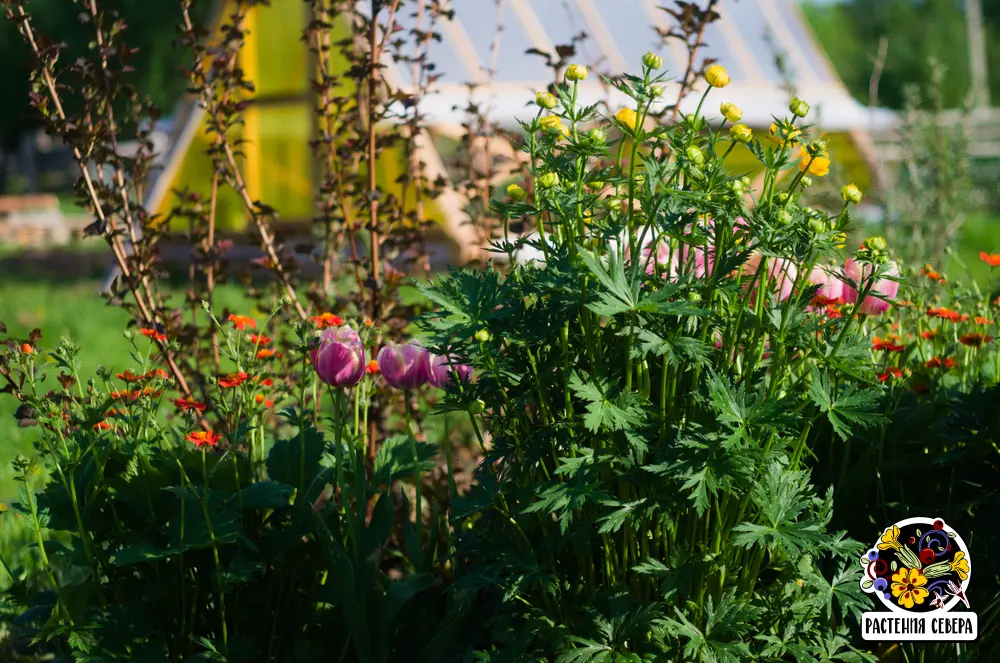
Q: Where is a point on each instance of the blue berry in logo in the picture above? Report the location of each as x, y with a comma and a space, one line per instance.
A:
880, 585
872, 555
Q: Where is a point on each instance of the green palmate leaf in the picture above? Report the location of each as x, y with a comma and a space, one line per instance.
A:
613, 521
720, 639
848, 408
141, 552
296, 461
394, 459
586, 651
267, 494
783, 497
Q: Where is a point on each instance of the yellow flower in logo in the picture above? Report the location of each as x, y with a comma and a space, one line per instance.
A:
890, 539
960, 565
908, 587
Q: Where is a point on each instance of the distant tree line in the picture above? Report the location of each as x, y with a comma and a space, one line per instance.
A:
918, 30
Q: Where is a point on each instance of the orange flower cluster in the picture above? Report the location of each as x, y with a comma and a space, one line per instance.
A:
267, 353
946, 314
890, 343
203, 438
974, 340
325, 320
991, 259
260, 398
136, 394
372, 367
242, 321
891, 372
260, 339
980, 320
932, 274
946, 363
233, 380
130, 376
187, 404
102, 425
154, 334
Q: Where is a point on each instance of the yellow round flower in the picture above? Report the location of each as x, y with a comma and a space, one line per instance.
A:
717, 76
731, 111
818, 165
628, 117
778, 135
576, 72
516, 192
908, 587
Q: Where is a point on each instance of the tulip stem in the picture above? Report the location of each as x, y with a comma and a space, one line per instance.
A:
418, 511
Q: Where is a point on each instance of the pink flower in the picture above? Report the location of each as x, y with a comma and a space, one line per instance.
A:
403, 366
831, 288
340, 358
884, 287
781, 273
439, 369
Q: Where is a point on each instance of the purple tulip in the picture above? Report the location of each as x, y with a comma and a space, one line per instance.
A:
340, 358
403, 366
439, 369
884, 287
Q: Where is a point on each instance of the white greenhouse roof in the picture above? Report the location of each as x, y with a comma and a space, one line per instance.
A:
618, 32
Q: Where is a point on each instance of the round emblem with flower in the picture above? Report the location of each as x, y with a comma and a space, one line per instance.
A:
918, 565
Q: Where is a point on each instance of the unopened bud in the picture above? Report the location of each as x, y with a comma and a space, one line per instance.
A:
816, 226
783, 217
597, 135
656, 91
546, 100
876, 243
516, 192
576, 72
806, 182
798, 107
483, 335
741, 133
548, 180
696, 156
477, 406
851, 194
652, 60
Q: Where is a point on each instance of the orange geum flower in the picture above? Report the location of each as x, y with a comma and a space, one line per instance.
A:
203, 438
158, 373
891, 371
974, 340
372, 367
259, 398
991, 259
888, 344
102, 425
187, 404
27, 349
233, 380
260, 339
129, 376
980, 320
929, 334
266, 353
154, 334
266, 382
324, 320
242, 321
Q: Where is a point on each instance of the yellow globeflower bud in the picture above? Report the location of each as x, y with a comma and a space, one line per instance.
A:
628, 117
851, 194
876, 243
548, 180
516, 192
731, 111
717, 76
798, 107
741, 133
576, 72
652, 60
696, 156
546, 100
841, 239
553, 123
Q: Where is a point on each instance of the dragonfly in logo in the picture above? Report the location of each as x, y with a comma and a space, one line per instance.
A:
938, 601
